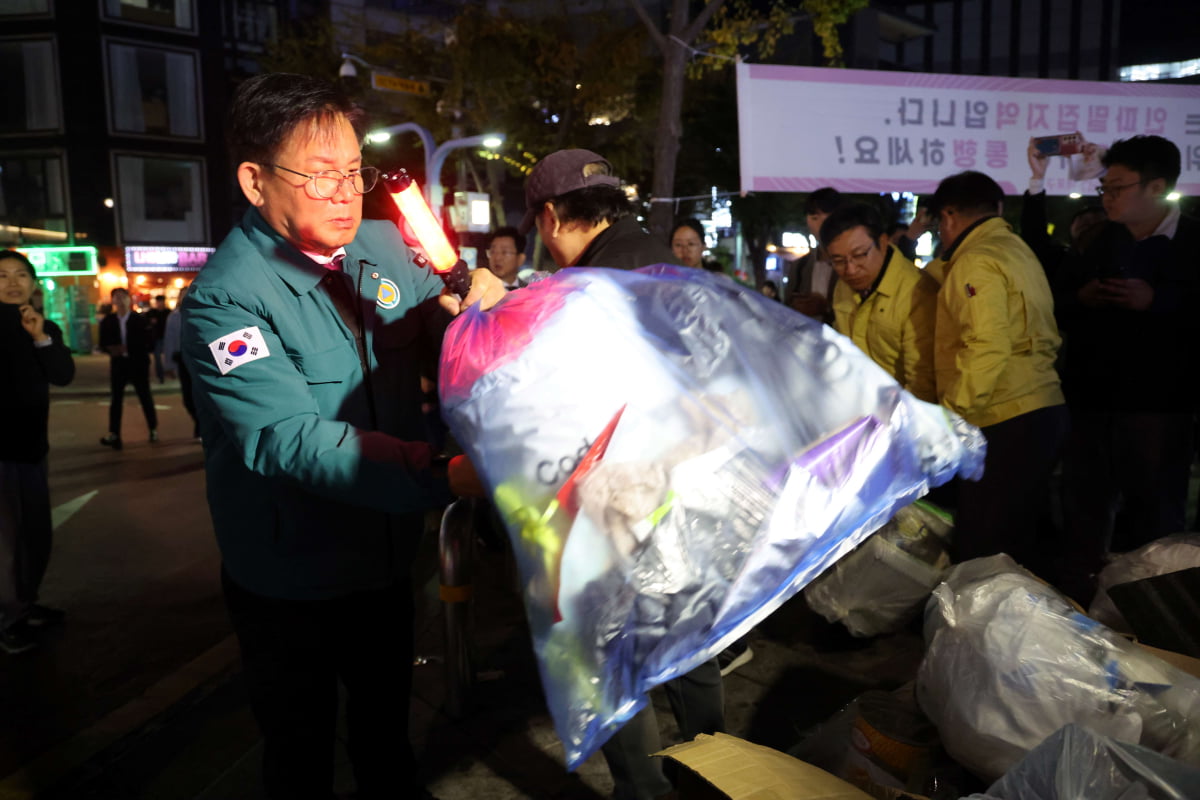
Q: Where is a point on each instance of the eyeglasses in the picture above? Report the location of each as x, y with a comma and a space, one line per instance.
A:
327, 183
1115, 191
857, 258
498, 253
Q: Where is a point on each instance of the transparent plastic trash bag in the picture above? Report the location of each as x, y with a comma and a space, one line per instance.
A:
1160, 557
1076, 764
885, 582
674, 455
1009, 661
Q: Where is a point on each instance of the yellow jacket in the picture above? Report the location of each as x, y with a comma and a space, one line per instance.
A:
996, 338
894, 325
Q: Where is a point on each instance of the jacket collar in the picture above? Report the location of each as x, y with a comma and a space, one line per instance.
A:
986, 224
297, 270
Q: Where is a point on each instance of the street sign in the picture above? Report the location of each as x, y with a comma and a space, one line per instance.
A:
390, 83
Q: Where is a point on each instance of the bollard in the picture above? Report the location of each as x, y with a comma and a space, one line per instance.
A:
456, 553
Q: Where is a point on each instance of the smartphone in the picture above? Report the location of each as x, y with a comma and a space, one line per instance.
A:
1064, 144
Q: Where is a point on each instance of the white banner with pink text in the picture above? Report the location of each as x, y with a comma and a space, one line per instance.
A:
802, 128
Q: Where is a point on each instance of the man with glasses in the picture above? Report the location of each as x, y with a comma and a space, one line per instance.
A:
1126, 306
994, 349
307, 334
882, 301
506, 256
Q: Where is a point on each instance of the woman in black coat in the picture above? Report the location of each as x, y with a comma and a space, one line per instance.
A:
32, 356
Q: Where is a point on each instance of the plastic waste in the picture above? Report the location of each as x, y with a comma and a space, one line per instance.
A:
1168, 554
1009, 661
884, 583
674, 455
1076, 764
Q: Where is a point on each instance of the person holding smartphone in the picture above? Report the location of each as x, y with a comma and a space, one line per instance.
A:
32, 356
1127, 305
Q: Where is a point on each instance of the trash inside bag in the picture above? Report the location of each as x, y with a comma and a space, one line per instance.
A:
884, 583
1009, 661
880, 739
1160, 557
674, 455
1076, 764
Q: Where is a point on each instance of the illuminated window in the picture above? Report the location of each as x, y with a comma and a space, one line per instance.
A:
1161, 72
33, 204
153, 91
176, 14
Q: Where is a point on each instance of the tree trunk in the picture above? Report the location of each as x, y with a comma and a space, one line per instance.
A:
674, 45
666, 142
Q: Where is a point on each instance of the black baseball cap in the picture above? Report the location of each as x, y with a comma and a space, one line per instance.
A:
561, 172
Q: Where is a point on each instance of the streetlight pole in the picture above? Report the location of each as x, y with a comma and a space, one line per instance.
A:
435, 156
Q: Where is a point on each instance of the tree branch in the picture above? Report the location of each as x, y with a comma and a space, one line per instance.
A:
697, 25
655, 33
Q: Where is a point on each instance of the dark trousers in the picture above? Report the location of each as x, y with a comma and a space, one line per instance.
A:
698, 701
158, 361
293, 655
25, 537
135, 371
1125, 483
1009, 509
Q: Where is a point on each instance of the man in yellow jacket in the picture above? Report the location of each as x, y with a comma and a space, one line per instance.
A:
995, 345
882, 301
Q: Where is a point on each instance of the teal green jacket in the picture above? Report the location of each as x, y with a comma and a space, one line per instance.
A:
308, 488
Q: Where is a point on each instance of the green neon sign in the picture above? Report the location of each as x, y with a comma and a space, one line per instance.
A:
62, 260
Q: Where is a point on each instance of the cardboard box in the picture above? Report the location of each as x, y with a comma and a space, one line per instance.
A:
722, 766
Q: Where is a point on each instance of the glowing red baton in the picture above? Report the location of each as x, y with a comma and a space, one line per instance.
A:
442, 257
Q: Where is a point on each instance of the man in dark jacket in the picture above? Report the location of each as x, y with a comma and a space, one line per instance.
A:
127, 337
584, 217
1127, 306
586, 220
32, 356
306, 335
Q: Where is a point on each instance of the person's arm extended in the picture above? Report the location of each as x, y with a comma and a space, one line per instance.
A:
272, 419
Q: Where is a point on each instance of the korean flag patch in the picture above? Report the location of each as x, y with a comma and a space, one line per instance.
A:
237, 348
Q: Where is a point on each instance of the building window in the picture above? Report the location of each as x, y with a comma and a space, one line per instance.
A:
250, 23
175, 14
29, 86
25, 8
160, 199
153, 91
33, 205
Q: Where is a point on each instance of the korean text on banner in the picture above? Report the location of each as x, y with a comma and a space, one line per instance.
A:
802, 128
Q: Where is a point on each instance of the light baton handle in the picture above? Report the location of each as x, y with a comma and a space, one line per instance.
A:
441, 255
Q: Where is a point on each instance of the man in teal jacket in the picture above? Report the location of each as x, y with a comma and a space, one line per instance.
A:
306, 334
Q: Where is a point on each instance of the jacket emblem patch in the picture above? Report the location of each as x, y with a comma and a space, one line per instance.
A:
388, 295
237, 348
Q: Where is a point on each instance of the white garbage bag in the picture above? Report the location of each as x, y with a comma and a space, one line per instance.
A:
1168, 554
1009, 661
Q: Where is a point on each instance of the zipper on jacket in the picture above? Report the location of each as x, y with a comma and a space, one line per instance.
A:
361, 337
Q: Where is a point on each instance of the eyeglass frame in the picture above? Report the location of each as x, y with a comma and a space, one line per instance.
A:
513, 252
856, 259
342, 178
1115, 191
